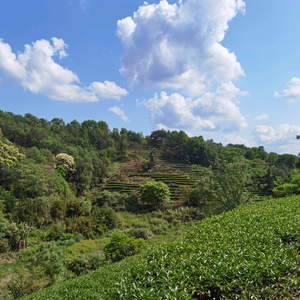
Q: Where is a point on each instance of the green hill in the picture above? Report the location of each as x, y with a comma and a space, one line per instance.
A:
249, 253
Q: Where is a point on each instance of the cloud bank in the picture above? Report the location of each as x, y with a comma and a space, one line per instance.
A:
179, 45
236, 140
282, 135
213, 111
36, 71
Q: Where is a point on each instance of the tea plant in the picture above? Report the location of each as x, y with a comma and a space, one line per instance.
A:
247, 253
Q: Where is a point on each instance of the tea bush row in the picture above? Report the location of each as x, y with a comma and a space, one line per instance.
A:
245, 254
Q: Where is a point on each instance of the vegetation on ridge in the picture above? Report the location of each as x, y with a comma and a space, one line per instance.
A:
77, 197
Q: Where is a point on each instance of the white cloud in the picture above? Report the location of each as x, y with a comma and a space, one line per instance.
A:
262, 117
237, 140
292, 92
118, 111
108, 90
36, 71
283, 134
213, 111
276, 94
179, 46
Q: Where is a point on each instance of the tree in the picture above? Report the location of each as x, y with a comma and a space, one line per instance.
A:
67, 161
183, 192
155, 193
9, 155
289, 186
226, 188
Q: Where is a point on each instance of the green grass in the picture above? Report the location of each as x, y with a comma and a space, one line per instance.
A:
245, 254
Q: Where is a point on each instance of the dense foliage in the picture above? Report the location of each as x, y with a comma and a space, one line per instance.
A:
67, 185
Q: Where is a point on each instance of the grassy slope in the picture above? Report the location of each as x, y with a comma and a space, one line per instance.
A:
236, 255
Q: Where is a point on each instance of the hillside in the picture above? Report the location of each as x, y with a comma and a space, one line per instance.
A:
250, 252
68, 190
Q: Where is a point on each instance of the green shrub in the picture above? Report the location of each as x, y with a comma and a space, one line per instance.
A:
177, 223
194, 199
141, 233
56, 231
66, 236
96, 261
77, 207
122, 246
66, 243
58, 209
51, 259
78, 266
141, 224
160, 229
109, 233
104, 219
82, 225
157, 222
115, 200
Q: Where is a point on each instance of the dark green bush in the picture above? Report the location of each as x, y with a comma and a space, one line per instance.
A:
82, 225
122, 246
78, 266
104, 219
96, 261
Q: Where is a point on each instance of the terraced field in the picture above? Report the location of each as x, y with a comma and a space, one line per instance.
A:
177, 173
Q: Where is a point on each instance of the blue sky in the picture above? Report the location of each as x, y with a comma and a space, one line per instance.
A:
224, 69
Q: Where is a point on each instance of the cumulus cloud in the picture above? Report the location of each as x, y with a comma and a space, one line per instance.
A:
262, 117
281, 135
237, 140
179, 45
292, 92
213, 111
118, 111
36, 71
108, 90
